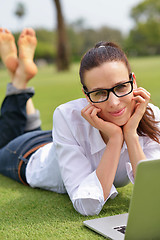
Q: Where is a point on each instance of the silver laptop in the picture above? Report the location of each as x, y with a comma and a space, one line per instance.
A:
143, 220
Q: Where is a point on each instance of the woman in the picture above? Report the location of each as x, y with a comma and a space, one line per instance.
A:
97, 140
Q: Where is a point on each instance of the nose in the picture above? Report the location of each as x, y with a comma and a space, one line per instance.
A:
113, 100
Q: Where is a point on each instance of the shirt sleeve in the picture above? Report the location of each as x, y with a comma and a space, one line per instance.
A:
80, 180
151, 150
130, 172
89, 199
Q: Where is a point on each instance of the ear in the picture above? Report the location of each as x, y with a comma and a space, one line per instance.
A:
86, 96
133, 75
134, 80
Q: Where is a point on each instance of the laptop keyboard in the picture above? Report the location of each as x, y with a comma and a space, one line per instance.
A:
121, 229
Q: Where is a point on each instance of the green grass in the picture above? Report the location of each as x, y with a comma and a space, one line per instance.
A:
147, 71
27, 213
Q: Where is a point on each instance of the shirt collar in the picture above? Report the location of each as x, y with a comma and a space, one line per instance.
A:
97, 144
96, 141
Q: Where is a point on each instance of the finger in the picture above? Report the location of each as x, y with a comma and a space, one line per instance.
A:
141, 91
142, 96
86, 114
94, 112
87, 110
141, 99
91, 115
88, 106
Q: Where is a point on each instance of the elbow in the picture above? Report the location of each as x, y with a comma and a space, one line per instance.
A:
87, 207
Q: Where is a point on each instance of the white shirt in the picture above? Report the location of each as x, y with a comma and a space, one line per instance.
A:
69, 163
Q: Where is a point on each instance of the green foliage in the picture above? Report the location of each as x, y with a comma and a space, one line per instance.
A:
147, 75
144, 37
82, 39
45, 50
146, 11
144, 40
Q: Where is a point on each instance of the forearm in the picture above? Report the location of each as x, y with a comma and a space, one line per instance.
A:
108, 165
134, 150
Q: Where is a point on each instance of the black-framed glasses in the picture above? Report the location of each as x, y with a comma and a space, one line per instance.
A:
119, 90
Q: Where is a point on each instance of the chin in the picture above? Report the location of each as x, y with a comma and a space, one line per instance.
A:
119, 122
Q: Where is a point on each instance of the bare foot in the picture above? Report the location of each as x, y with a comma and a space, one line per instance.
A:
27, 44
26, 69
8, 50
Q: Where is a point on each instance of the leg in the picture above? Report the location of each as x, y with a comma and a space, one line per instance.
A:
14, 117
22, 69
13, 114
27, 69
12, 156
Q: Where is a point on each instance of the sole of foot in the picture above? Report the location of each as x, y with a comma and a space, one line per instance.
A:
27, 44
8, 50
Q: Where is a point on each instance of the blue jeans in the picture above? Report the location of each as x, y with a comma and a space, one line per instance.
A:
16, 145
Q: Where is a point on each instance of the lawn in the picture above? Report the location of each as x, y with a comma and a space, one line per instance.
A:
27, 213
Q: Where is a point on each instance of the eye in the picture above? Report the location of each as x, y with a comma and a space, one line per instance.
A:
100, 93
122, 87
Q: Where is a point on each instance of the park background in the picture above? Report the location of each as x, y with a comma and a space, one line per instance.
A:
27, 213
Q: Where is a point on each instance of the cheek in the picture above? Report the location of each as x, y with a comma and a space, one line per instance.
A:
104, 113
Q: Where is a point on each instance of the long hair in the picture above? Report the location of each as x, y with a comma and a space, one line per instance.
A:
107, 52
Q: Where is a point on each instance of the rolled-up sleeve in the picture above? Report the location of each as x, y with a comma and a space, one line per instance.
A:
89, 199
79, 177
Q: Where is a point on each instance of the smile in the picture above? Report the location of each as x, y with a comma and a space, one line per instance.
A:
118, 113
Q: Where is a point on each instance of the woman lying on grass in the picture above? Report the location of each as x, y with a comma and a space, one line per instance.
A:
96, 142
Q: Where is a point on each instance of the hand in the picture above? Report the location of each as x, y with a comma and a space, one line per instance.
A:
107, 129
141, 98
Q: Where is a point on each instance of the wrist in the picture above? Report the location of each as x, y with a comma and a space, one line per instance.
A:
131, 136
116, 139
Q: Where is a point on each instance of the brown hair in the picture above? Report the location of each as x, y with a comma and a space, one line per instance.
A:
107, 52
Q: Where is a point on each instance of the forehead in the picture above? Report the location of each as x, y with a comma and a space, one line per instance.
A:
106, 75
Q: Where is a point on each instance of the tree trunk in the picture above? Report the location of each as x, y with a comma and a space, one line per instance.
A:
62, 44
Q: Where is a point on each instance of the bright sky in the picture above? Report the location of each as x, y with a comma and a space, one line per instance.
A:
96, 13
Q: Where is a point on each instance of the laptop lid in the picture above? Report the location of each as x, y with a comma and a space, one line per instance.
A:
144, 211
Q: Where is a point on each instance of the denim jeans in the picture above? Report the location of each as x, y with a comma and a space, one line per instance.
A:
14, 141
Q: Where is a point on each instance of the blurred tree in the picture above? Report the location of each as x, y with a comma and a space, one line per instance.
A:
62, 48
82, 38
148, 10
144, 38
20, 12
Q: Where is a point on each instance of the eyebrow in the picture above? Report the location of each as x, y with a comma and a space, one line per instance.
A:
116, 84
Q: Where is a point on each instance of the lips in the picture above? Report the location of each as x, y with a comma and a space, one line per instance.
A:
118, 113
